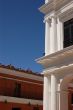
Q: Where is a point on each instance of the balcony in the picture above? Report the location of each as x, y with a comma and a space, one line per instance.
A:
20, 89
29, 95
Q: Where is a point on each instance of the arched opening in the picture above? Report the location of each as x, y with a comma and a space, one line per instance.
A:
66, 93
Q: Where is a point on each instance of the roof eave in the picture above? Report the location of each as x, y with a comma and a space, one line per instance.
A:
55, 55
46, 8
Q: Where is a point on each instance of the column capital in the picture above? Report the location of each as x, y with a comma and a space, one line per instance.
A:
48, 20
54, 17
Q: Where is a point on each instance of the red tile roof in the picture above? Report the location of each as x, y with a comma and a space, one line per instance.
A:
11, 67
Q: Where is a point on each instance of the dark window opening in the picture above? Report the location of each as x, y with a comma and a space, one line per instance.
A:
16, 108
68, 33
72, 99
17, 90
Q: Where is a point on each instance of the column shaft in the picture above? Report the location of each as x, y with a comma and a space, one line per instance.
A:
53, 93
53, 36
46, 95
47, 37
60, 34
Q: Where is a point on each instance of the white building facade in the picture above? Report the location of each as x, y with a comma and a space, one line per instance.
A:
58, 59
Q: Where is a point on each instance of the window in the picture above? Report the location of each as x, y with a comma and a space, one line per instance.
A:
68, 33
17, 90
72, 99
16, 109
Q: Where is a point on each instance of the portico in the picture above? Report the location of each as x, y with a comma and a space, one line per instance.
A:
58, 60
57, 77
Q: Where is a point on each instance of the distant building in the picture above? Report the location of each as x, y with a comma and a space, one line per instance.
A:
58, 59
20, 89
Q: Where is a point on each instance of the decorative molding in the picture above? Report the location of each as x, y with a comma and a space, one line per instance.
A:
55, 18
20, 100
67, 15
66, 69
46, 8
47, 20
58, 4
53, 5
57, 56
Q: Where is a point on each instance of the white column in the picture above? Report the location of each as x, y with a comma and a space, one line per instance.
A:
46, 95
47, 36
53, 93
58, 97
53, 36
60, 34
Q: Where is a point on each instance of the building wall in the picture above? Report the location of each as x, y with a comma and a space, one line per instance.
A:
29, 89
9, 106
70, 98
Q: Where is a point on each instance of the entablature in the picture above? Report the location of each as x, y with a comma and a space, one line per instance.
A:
54, 5
58, 59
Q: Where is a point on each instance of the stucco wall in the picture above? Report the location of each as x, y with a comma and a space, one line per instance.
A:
9, 106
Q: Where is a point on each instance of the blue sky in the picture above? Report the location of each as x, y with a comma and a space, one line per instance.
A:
21, 33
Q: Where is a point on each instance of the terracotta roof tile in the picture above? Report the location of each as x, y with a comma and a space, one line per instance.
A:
11, 67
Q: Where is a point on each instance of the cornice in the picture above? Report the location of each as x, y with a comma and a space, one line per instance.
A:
59, 71
60, 58
67, 15
53, 5
46, 8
